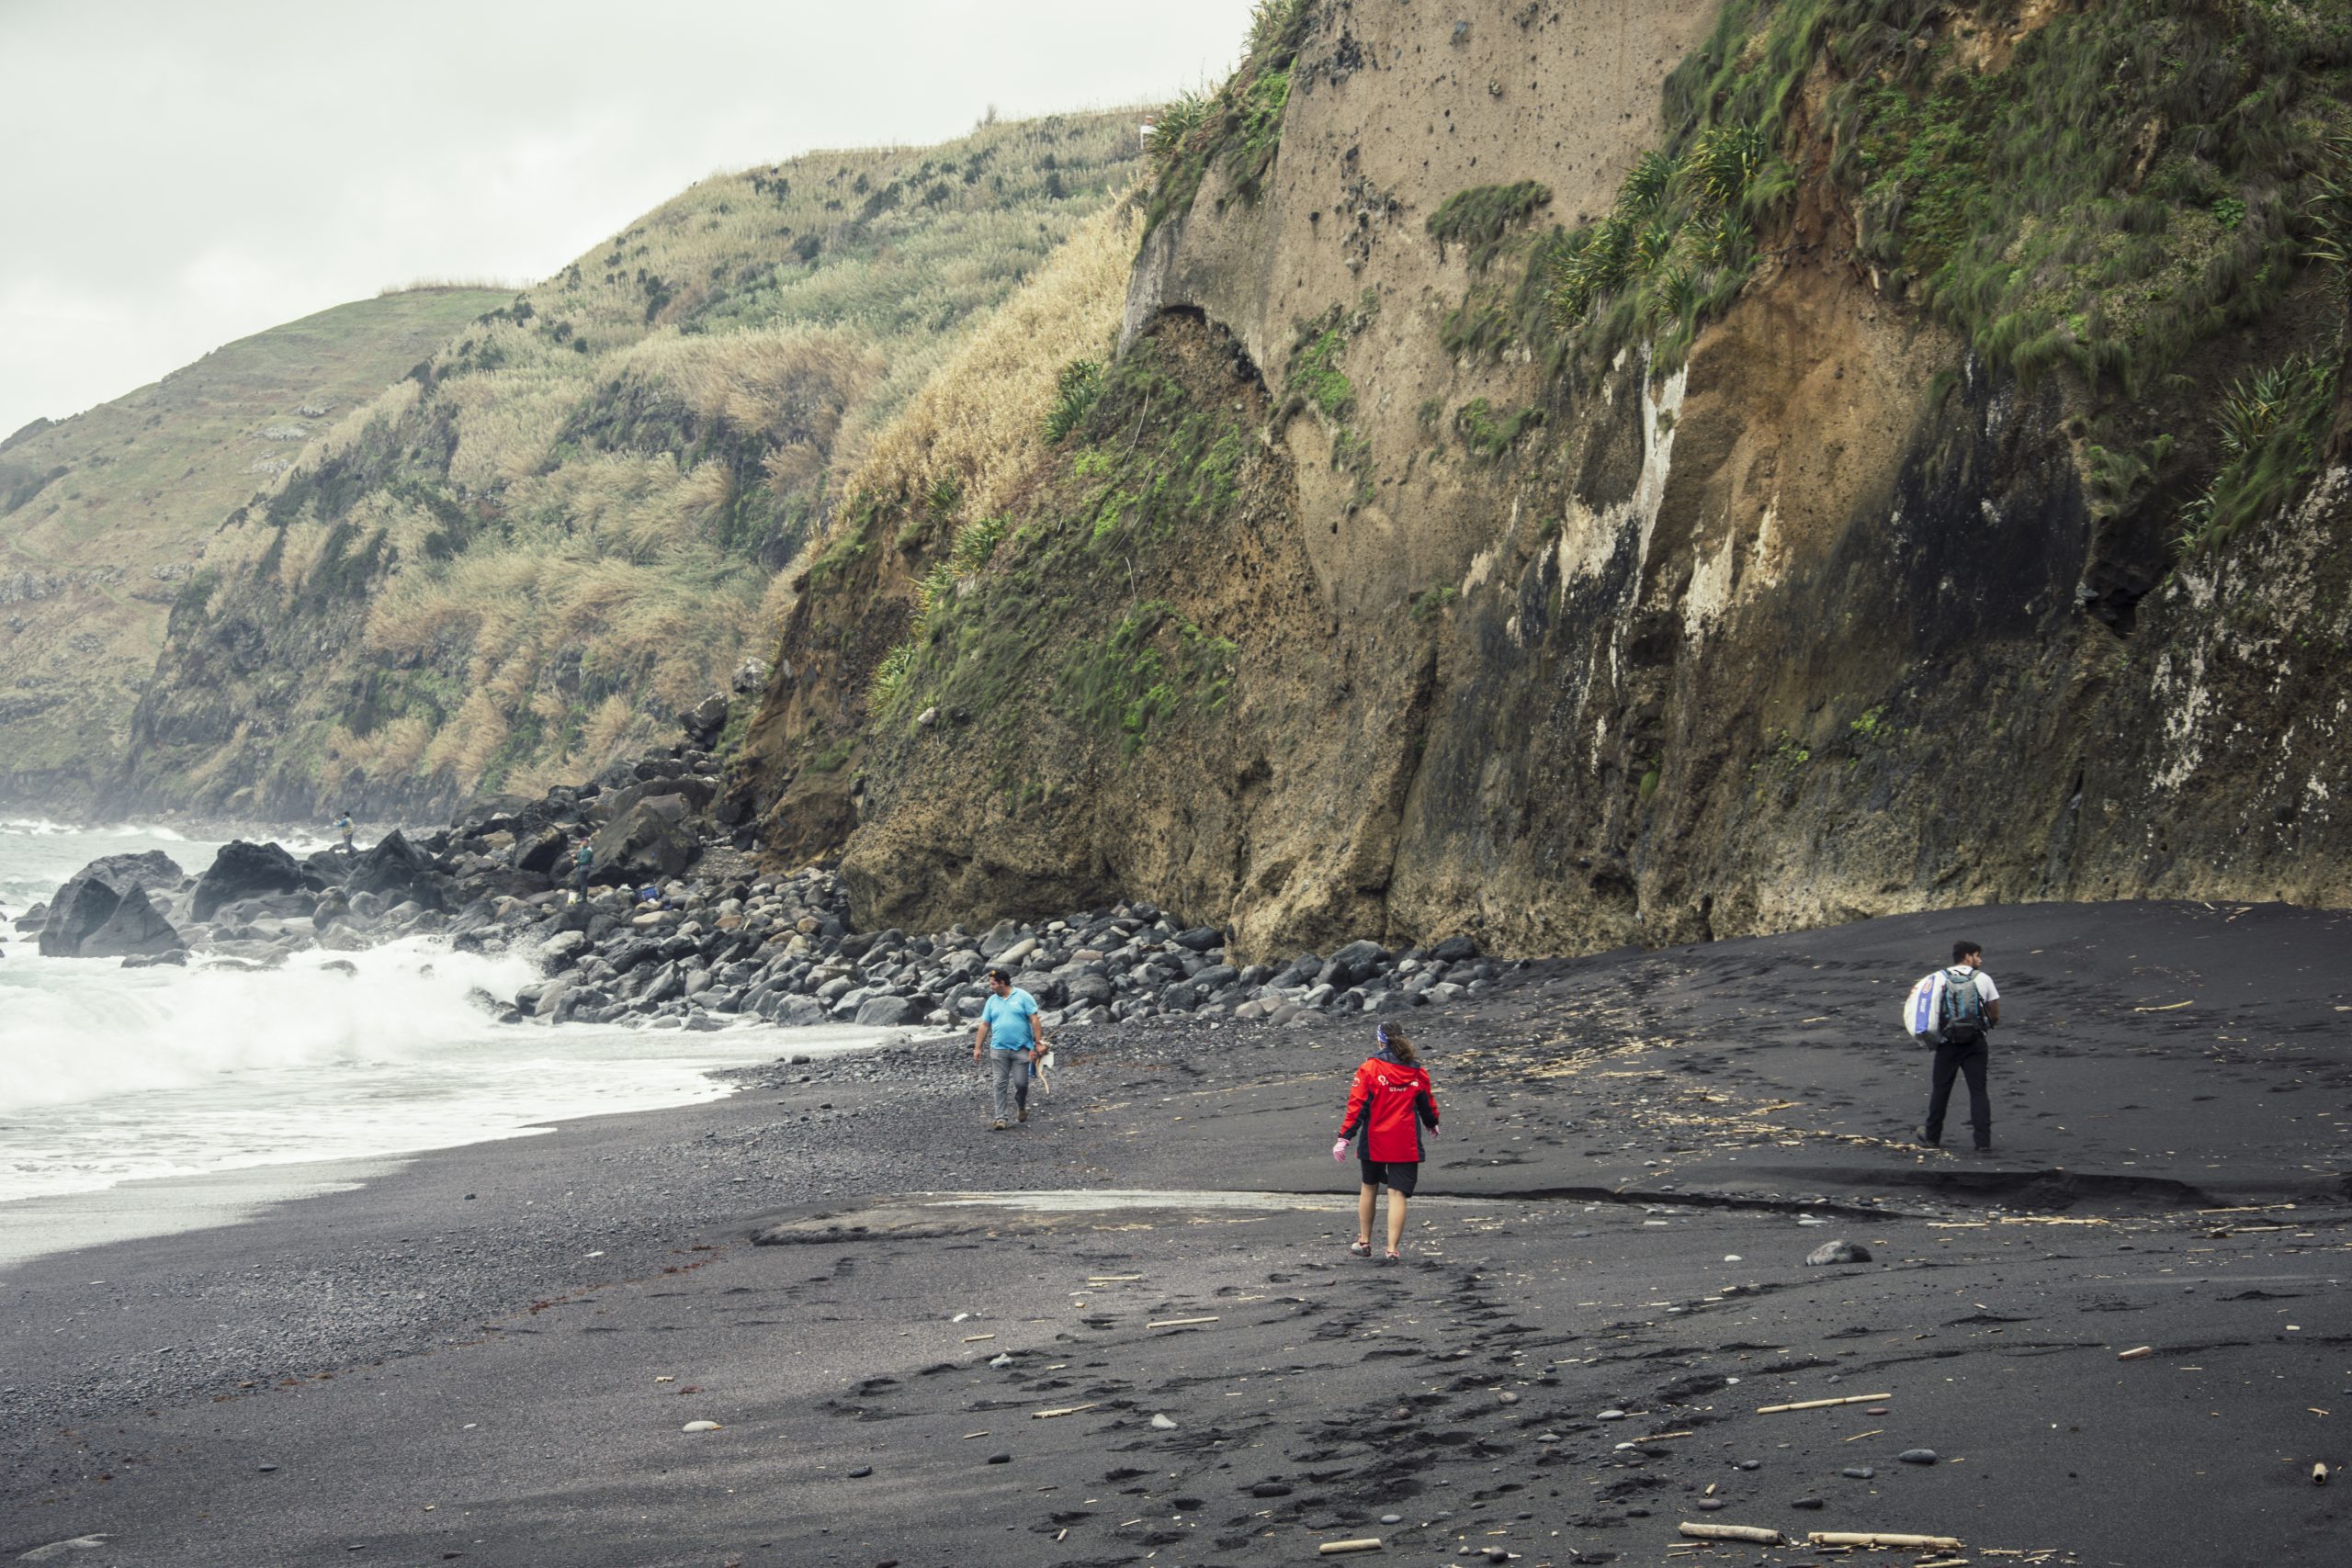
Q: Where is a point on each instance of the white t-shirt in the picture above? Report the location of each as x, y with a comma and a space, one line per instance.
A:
1923, 1006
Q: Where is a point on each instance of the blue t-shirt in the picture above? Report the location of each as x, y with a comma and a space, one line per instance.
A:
1008, 1019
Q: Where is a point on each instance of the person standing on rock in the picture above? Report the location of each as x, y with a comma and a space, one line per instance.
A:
1388, 1104
1008, 1034
584, 861
1955, 1010
342, 826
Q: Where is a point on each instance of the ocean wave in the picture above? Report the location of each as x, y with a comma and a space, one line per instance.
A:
80, 1031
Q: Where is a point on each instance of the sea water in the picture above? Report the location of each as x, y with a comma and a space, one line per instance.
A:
110, 1075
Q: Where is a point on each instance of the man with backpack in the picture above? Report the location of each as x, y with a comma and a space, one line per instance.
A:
1954, 1011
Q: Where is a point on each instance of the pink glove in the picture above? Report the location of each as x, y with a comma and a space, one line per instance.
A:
1339, 1150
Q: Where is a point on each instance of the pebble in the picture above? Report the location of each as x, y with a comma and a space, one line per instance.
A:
1611, 1416
1269, 1489
700, 1427
1709, 1505
1858, 1473
1163, 1423
1810, 1503
1748, 1464
266, 1469
1001, 1361
1392, 1518
860, 1471
1507, 1397
1000, 1459
1918, 1456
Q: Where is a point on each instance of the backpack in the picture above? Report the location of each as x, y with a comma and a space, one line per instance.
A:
1960, 1010
1946, 1008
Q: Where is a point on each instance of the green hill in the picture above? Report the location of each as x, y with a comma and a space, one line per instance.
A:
564, 526
106, 516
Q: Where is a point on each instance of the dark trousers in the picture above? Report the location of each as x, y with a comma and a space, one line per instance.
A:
1951, 1062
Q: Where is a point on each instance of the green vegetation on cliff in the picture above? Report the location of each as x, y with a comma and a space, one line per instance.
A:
1237, 129
1004, 623
2104, 190
565, 525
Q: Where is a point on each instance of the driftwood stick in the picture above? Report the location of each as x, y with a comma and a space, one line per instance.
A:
1732, 1532
1334, 1547
1178, 1322
1881, 1537
1822, 1403
1065, 1410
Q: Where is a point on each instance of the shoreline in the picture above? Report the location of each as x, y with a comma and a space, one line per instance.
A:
465, 1355
43, 1225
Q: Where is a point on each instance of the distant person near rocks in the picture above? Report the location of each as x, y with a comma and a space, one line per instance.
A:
343, 827
584, 861
1009, 1034
1954, 1011
1390, 1102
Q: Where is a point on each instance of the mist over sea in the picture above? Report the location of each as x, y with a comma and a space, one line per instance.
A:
109, 1075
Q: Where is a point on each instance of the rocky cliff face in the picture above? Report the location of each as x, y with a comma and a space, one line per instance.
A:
1394, 586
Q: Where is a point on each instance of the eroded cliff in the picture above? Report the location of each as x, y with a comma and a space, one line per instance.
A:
1517, 507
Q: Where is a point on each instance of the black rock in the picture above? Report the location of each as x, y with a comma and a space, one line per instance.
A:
1200, 939
243, 871
1858, 1473
396, 871
546, 855
1048, 989
134, 931
1810, 1503
1918, 1456
1000, 1459
653, 839
88, 899
892, 1012
1454, 949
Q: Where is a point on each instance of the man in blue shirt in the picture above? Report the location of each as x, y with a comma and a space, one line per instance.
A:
1007, 1032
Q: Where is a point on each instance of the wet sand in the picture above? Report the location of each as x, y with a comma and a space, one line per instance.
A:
1639, 1151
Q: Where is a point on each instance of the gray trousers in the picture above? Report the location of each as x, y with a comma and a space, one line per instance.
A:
1007, 1073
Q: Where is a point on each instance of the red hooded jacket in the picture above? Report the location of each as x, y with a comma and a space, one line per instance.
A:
1387, 1104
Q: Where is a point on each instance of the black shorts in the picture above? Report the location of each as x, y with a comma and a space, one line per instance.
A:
1398, 1175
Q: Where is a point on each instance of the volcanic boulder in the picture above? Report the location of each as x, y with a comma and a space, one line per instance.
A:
243, 870
651, 840
89, 900
397, 870
134, 931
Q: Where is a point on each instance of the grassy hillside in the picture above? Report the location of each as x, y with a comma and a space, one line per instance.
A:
564, 526
104, 516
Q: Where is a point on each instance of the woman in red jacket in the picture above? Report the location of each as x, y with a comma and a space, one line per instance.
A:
1388, 1103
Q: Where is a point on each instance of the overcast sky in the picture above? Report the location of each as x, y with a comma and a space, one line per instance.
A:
179, 174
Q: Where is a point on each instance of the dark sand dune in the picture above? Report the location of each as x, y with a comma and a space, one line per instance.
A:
1605, 1283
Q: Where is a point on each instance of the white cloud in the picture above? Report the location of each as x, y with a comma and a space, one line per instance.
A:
181, 175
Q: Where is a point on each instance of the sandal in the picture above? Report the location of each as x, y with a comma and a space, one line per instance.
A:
1394, 1257
1360, 1249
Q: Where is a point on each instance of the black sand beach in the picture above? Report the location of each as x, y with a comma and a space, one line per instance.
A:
489, 1355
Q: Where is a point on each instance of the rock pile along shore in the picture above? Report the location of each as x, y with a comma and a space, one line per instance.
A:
679, 930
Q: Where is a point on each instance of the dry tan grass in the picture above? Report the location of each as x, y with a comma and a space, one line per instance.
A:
979, 419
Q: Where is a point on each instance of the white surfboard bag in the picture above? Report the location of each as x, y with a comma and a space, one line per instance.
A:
1923, 1010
